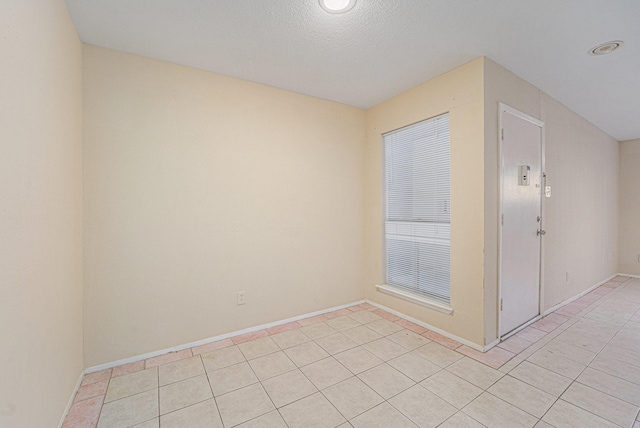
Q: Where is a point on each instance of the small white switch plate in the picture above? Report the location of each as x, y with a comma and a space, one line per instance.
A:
241, 300
547, 191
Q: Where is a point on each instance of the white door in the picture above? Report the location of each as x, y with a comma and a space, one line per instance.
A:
521, 218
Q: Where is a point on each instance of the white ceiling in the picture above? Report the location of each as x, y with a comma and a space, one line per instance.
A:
383, 47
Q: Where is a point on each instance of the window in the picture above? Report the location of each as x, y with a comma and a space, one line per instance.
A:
418, 206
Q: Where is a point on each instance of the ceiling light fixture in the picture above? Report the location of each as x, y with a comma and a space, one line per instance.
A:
606, 48
337, 6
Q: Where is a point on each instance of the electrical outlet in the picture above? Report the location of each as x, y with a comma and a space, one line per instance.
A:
241, 300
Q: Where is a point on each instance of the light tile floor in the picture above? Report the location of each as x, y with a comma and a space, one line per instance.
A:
363, 367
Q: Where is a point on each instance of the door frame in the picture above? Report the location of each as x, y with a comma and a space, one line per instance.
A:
502, 109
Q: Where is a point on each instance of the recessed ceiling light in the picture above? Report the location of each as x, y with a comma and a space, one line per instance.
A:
606, 48
337, 6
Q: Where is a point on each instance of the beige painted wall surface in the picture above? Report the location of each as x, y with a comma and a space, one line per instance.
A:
581, 215
198, 186
629, 207
40, 212
460, 93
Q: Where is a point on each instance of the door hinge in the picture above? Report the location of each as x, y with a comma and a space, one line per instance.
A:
502, 134
501, 305
502, 219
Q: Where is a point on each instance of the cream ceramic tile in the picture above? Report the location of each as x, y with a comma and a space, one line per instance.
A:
454, 390
617, 368
461, 420
151, 423
385, 349
258, 348
384, 327
201, 415
438, 354
271, 365
289, 338
556, 363
180, 370
542, 424
580, 341
222, 358
306, 353
314, 411
231, 378
386, 315
603, 405
365, 317
335, 343
494, 357
511, 364
515, 344
288, 387
243, 405
565, 415
621, 354
352, 397
358, 359
167, 358
570, 352
408, 339
338, 313
423, 407
541, 378
312, 320
614, 386
496, 413
411, 326
318, 330
362, 334
343, 323
522, 395
382, 416
131, 384
129, 411
325, 373
531, 334
414, 366
184, 393
477, 373
386, 381
268, 420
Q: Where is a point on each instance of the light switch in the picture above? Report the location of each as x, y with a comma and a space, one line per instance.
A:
547, 191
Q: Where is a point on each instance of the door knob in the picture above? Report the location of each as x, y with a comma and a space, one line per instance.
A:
541, 232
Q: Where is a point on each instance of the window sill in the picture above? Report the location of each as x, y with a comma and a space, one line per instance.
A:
415, 298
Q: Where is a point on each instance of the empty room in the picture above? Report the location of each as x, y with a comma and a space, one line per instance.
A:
319, 213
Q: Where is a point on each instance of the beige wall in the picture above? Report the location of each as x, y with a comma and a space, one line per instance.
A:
198, 186
460, 92
580, 217
630, 207
40, 212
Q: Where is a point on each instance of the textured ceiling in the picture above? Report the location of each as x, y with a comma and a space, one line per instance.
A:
383, 47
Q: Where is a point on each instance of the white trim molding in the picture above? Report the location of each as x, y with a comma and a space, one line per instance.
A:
414, 298
627, 274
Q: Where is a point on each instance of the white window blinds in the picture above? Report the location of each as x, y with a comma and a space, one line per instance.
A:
418, 206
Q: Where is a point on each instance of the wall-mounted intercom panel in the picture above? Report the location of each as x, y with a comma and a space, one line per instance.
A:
523, 175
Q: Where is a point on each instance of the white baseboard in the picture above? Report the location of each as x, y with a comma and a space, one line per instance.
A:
429, 326
70, 403
214, 339
628, 274
576, 297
